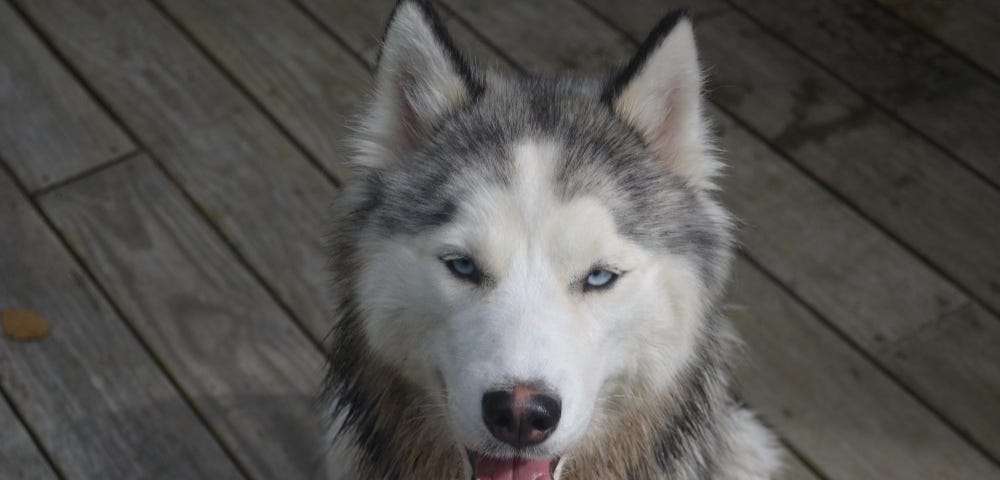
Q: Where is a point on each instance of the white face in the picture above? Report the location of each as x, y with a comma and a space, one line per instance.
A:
532, 318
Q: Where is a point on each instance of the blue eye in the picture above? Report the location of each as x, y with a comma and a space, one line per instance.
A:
463, 268
600, 279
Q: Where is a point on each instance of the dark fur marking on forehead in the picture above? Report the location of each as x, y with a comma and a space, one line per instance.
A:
653, 40
455, 56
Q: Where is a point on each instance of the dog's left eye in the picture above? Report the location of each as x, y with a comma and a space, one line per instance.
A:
463, 268
600, 279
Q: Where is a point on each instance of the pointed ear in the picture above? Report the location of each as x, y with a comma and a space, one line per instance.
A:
659, 94
420, 79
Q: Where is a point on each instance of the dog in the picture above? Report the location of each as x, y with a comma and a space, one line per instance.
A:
528, 273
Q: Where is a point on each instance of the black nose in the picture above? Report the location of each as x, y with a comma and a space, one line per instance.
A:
521, 416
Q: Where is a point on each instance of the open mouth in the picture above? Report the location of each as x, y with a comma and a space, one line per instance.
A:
492, 468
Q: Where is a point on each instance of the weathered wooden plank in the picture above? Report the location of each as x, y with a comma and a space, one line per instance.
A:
359, 24
50, 129
229, 346
841, 413
263, 194
309, 84
522, 30
900, 69
955, 363
19, 457
98, 403
794, 469
970, 26
871, 160
870, 288
866, 284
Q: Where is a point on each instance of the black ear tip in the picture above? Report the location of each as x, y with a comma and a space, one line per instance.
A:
668, 22
660, 31
424, 5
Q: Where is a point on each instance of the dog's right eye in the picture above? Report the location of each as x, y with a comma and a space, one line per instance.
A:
464, 268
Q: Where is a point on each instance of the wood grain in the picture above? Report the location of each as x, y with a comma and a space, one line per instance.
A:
96, 400
970, 26
794, 469
900, 69
235, 353
50, 129
263, 194
871, 289
844, 415
523, 30
19, 457
955, 363
912, 189
311, 85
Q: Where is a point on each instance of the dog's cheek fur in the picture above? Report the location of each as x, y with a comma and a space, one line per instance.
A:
403, 304
659, 322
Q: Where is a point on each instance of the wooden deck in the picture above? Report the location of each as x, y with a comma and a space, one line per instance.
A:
166, 167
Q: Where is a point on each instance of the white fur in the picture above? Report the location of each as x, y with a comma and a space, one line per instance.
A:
755, 453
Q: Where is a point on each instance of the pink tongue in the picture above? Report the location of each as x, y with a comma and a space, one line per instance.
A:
519, 469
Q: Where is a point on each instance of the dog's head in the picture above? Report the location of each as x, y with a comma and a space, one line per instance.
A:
534, 254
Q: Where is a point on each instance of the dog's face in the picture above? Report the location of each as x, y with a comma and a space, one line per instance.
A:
531, 253
524, 287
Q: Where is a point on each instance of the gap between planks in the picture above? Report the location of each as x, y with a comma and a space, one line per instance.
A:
952, 48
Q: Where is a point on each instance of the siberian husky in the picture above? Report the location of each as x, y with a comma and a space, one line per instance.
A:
528, 272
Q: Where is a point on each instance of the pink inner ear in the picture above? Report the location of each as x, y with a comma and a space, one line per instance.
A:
665, 138
410, 131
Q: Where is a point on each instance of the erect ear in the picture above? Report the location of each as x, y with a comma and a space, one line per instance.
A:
659, 94
420, 79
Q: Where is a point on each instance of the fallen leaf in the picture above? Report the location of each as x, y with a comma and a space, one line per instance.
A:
24, 325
